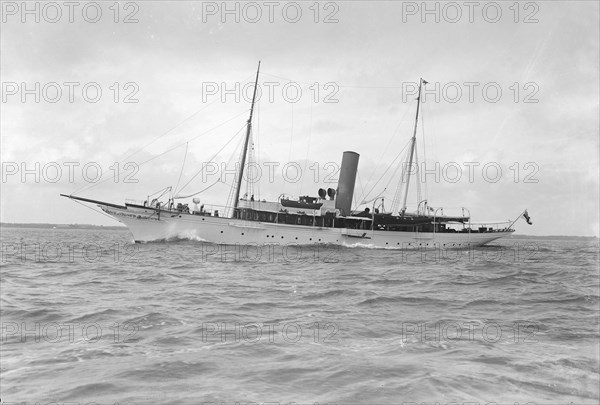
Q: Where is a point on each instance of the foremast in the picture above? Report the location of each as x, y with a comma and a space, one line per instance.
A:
412, 149
245, 150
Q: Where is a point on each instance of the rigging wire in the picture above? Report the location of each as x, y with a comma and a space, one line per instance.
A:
400, 165
286, 79
417, 180
231, 196
291, 134
165, 189
201, 191
182, 166
386, 170
252, 161
172, 129
150, 143
89, 186
211, 159
291, 142
398, 193
309, 137
249, 181
339, 85
392, 137
94, 209
424, 151
361, 187
257, 157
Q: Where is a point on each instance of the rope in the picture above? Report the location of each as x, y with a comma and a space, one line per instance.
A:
424, 154
182, 166
361, 188
94, 209
164, 190
392, 137
89, 186
386, 170
201, 191
308, 148
230, 197
258, 110
403, 178
417, 180
291, 140
176, 126
339, 85
212, 158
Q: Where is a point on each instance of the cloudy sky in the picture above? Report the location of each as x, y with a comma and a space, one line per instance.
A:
148, 92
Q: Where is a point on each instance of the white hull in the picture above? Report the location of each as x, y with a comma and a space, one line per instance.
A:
147, 226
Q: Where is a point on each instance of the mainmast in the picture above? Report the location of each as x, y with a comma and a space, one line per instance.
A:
245, 150
412, 149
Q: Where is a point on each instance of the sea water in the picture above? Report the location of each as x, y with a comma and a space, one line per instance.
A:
88, 316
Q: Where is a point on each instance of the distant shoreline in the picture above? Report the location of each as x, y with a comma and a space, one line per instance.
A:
124, 228
63, 226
